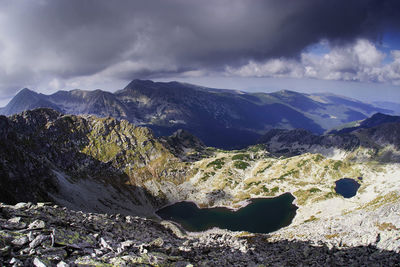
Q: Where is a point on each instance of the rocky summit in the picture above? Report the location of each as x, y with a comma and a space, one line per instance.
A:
48, 235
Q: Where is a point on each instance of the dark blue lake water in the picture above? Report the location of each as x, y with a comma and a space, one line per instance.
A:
262, 215
347, 187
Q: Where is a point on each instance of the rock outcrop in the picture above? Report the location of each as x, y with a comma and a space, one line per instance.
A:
87, 163
47, 235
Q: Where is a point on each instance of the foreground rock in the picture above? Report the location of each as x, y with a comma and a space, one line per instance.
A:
46, 235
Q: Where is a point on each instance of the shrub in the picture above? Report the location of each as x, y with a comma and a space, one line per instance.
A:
241, 157
241, 165
217, 164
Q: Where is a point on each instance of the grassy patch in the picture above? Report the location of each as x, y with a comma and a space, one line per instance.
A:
275, 189
386, 226
301, 163
206, 176
314, 190
337, 165
217, 164
292, 172
331, 236
318, 158
241, 156
382, 200
263, 169
303, 195
252, 184
241, 165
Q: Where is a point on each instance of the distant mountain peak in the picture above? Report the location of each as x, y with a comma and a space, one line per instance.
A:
26, 91
137, 82
287, 92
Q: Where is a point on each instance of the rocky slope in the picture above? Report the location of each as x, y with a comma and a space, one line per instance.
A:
220, 118
85, 163
46, 235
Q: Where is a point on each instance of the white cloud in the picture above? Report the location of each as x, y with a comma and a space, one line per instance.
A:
359, 61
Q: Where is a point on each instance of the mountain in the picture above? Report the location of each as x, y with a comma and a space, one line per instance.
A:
380, 134
84, 163
220, 118
375, 120
25, 100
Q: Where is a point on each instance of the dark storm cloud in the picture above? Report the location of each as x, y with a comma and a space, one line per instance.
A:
70, 38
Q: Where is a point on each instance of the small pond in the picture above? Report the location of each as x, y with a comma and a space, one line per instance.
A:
347, 187
261, 215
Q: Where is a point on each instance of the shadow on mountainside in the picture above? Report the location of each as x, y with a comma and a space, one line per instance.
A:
280, 142
40, 163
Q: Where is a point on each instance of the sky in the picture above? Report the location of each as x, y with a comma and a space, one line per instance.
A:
348, 47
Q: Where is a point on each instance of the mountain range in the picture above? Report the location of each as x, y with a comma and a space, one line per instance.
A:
220, 118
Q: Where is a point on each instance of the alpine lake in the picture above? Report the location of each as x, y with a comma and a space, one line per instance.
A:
347, 187
261, 215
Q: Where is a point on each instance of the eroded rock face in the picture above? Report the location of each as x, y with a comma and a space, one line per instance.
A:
47, 235
82, 162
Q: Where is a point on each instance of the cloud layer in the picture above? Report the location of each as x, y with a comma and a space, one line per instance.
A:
61, 43
359, 61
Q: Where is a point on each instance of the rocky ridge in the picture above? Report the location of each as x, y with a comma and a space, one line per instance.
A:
87, 163
47, 235
220, 118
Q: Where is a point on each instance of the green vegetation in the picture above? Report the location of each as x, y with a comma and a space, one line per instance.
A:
314, 190
256, 148
206, 176
318, 158
275, 189
292, 172
301, 163
382, 200
252, 184
241, 156
337, 165
303, 195
216, 164
241, 165
231, 183
265, 189
266, 167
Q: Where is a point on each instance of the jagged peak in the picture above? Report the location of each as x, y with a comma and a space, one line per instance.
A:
48, 112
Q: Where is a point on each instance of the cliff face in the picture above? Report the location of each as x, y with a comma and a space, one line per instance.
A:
82, 162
